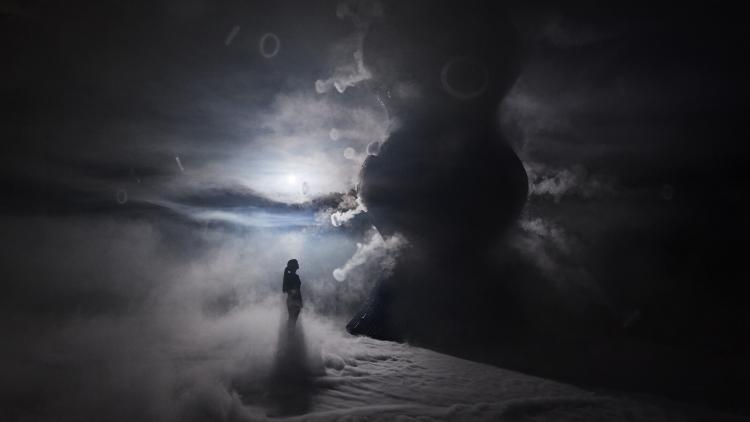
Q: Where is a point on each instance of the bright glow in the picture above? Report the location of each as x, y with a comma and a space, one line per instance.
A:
292, 158
292, 179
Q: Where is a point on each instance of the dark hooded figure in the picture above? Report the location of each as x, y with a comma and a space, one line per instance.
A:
291, 287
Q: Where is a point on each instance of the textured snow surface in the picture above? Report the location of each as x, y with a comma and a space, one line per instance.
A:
318, 376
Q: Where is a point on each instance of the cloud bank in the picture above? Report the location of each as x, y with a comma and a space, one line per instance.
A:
151, 319
374, 259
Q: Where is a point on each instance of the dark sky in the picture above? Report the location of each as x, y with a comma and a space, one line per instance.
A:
187, 149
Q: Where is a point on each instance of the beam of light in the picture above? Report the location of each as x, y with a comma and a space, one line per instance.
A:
257, 218
250, 216
292, 179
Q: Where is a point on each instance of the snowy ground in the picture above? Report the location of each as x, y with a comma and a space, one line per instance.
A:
319, 375
247, 366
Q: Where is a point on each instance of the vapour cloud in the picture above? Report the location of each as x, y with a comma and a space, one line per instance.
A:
555, 251
378, 254
352, 70
345, 76
295, 149
557, 183
154, 319
257, 122
349, 207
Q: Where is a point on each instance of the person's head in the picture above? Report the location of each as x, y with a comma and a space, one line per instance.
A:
292, 265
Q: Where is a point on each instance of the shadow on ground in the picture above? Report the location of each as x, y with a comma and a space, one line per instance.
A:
289, 386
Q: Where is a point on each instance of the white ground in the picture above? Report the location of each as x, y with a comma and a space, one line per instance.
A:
246, 366
355, 378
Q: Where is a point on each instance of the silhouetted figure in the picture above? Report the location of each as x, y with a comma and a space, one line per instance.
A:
291, 287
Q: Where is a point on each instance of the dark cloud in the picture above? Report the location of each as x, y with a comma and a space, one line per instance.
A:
609, 108
432, 169
445, 180
621, 116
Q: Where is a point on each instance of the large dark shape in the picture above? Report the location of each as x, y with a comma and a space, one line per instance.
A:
447, 189
445, 178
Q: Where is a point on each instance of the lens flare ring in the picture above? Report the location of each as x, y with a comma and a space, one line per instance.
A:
263, 45
459, 93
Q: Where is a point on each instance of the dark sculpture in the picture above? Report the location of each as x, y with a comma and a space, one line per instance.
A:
446, 179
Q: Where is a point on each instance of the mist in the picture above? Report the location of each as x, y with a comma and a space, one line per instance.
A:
163, 317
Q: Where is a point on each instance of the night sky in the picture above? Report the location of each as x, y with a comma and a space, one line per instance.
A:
558, 190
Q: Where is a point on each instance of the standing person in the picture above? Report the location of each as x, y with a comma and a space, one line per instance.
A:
291, 287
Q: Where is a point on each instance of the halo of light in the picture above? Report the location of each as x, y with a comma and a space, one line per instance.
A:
262, 47
458, 93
